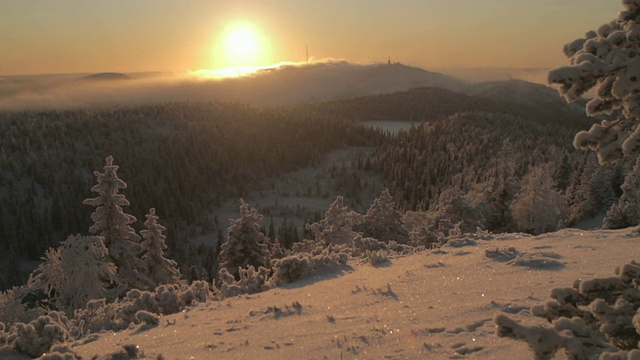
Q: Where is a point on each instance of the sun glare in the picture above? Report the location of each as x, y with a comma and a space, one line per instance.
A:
243, 45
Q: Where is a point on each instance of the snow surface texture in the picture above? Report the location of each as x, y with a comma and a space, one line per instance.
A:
438, 304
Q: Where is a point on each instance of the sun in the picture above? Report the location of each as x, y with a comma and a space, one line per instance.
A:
243, 45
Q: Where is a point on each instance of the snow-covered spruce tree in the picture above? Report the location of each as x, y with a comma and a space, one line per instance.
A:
74, 273
337, 225
538, 207
245, 244
626, 212
113, 224
382, 221
159, 269
607, 60
593, 192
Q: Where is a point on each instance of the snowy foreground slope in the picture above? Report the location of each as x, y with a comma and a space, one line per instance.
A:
436, 304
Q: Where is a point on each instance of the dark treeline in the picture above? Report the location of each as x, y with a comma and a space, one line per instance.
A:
180, 158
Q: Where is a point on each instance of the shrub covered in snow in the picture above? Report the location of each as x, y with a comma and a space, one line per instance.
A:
376, 257
134, 301
39, 335
598, 318
148, 318
166, 299
250, 281
13, 307
60, 352
290, 269
360, 245
7, 337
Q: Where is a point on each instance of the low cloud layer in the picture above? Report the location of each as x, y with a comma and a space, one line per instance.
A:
281, 84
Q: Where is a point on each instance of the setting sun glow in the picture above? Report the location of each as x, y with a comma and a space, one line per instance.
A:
243, 45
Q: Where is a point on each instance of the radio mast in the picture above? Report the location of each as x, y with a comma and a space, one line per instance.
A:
307, 54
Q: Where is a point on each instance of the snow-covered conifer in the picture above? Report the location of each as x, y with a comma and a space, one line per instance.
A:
74, 273
337, 225
245, 244
418, 226
593, 193
159, 269
606, 59
538, 207
626, 212
114, 225
455, 209
382, 221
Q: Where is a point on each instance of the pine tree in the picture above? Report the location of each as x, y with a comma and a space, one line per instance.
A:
606, 59
160, 269
337, 225
594, 194
538, 207
75, 272
382, 221
246, 245
626, 212
113, 224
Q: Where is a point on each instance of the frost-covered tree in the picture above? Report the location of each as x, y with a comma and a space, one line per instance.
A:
114, 225
607, 60
593, 193
538, 207
382, 221
419, 225
337, 225
160, 269
75, 272
626, 212
455, 209
246, 245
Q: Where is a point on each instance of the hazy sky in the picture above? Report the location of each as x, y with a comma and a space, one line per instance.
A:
65, 36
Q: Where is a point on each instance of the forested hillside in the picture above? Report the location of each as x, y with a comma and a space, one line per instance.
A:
531, 101
473, 166
179, 158
469, 161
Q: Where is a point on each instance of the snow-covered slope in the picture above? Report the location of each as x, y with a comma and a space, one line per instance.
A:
436, 304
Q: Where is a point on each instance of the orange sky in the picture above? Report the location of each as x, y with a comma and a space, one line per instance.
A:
66, 36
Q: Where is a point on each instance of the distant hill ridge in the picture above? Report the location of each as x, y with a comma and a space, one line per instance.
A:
331, 81
107, 76
515, 97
